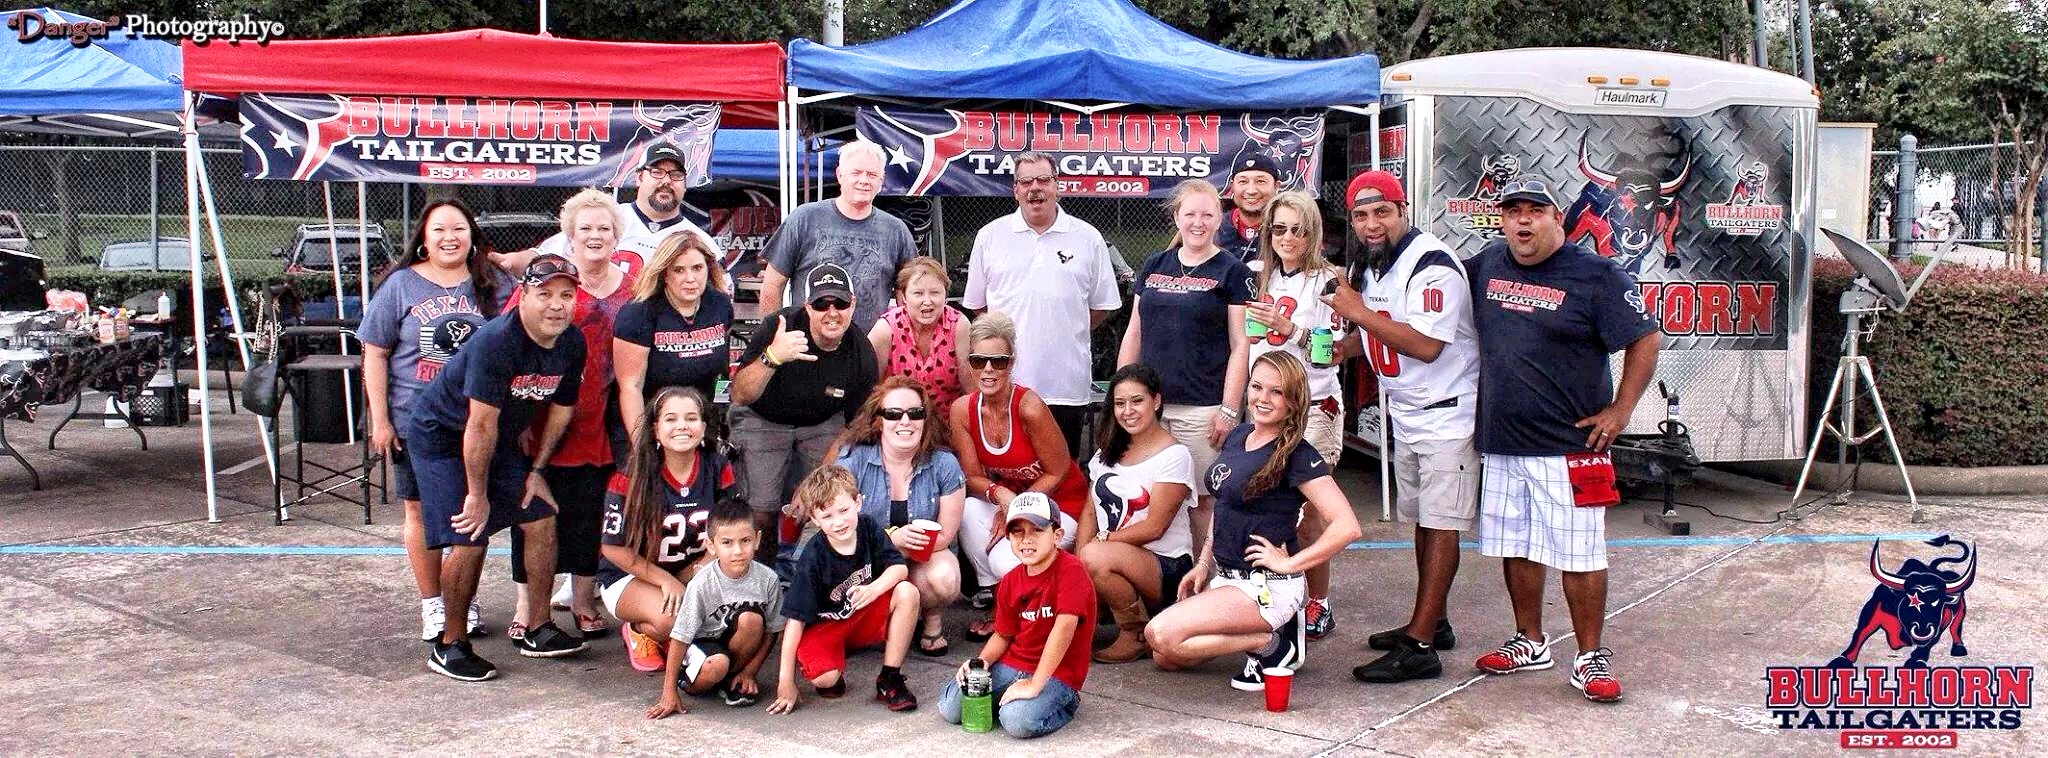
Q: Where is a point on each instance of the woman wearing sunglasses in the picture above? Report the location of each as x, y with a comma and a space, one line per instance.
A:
1008, 443
896, 448
1289, 306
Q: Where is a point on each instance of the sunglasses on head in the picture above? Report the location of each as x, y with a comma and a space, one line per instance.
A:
1285, 230
977, 361
830, 304
898, 414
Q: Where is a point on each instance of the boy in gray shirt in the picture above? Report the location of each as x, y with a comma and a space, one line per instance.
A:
729, 609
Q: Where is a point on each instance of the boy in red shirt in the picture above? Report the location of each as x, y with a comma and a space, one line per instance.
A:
1044, 614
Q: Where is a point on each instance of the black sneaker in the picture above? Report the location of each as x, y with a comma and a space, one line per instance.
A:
1408, 660
1444, 638
893, 692
549, 641
460, 663
733, 697
836, 691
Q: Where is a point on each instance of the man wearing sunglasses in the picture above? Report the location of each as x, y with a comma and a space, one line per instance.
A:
800, 380
1254, 180
1053, 275
847, 232
655, 213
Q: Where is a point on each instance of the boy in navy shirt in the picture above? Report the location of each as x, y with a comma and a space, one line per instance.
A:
474, 481
847, 592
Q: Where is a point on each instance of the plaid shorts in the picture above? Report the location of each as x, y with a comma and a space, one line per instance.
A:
1526, 511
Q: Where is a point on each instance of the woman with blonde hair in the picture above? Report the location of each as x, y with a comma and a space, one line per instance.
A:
674, 332
921, 337
1246, 591
1287, 308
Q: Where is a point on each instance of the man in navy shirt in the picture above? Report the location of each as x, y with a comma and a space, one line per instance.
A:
1254, 180
474, 481
1548, 316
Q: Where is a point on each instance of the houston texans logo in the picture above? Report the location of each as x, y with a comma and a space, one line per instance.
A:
1119, 501
324, 129
1218, 474
940, 150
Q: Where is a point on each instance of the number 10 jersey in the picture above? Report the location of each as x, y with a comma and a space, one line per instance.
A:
1425, 288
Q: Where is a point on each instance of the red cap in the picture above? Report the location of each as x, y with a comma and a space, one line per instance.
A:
1374, 187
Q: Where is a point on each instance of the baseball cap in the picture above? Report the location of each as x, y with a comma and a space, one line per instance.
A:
828, 279
1034, 507
1255, 162
548, 266
662, 151
1528, 189
1374, 187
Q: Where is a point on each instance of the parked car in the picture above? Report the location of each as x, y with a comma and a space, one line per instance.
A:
172, 254
13, 235
507, 232
317, 246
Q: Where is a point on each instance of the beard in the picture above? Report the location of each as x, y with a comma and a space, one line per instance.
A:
659, 205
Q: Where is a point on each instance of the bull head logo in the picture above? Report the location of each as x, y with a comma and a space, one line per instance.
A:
687, 128
1915, 605
1627, 207
1290, 142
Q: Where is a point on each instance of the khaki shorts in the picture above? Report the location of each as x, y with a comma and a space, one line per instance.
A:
1189, 425
1436, 483
1283, 597
1325, 433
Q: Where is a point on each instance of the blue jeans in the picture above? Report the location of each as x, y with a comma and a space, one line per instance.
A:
1023, 719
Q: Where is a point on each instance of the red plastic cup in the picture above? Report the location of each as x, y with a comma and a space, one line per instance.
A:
790, 530
930, 529
1279, 684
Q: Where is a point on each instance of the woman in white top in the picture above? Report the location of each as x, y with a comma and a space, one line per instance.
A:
1139, 481
1289, 305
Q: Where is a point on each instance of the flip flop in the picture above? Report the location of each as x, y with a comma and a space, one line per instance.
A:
938, 651
980, 631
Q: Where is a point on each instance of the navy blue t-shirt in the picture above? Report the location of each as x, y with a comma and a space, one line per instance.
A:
503, 367
1185, 313
821, 588
1274, 513
1545, 332
1234, 242
683, 519
688, 352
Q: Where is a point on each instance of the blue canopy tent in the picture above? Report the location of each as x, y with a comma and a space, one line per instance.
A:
117, 87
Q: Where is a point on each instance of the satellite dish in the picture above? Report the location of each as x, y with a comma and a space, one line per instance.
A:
1882, 278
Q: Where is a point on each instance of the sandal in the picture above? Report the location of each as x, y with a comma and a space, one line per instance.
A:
591, 625
936, 651
516, 631
981, 630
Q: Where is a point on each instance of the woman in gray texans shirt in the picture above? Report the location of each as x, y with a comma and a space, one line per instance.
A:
428, 304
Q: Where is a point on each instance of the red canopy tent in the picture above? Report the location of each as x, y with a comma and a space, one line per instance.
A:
746, 79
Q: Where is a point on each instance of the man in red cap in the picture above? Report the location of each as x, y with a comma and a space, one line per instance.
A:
1416, 315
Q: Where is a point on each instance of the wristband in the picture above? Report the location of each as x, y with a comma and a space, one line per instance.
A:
1227, 412
768, 357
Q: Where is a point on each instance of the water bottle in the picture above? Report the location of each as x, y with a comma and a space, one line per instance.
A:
977, 698
163, 304
1322, 345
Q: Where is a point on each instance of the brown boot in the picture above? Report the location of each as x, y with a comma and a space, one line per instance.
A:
1130, 638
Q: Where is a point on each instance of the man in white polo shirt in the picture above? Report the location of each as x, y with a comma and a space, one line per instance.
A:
1050, 273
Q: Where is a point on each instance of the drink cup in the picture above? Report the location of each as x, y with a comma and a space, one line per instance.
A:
1279, 684
930, 529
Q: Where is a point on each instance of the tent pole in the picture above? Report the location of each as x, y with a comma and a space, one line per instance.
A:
156, 230
227, 284
199, 310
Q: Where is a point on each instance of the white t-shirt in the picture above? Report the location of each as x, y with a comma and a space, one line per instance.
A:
640, 236
1123, 493
1426, 289
1300, 296
1047, 283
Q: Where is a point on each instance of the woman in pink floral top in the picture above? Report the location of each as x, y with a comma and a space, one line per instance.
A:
921, 337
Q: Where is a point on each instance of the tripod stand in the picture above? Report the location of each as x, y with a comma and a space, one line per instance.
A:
1861, 302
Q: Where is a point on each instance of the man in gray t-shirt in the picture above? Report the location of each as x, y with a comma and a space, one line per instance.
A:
848, 230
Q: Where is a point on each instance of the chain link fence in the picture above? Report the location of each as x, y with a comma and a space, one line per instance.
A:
1967, 193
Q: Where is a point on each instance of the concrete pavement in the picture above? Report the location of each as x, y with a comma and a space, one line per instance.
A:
138, 627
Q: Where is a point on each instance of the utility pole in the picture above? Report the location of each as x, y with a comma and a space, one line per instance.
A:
1806, 40
1760, 54
835, 22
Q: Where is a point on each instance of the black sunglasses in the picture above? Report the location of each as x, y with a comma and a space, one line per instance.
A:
830, 304
978, 361
897, 414
1281, 230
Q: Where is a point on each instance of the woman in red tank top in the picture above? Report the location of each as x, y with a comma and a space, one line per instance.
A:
1008, 443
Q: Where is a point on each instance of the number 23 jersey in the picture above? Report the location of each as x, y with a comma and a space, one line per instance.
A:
685, 508
1425, 288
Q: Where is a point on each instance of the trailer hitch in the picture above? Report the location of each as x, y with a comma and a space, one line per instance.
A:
1665, 459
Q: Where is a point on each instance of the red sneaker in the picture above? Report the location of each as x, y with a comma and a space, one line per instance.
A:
1592, 675
1519, 653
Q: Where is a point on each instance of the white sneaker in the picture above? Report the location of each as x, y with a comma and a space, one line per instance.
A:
476, 620
563, 587
433, 618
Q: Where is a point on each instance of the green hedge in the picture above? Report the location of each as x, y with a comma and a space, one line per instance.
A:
1964, 371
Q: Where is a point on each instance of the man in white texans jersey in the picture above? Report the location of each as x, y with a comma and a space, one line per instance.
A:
1416, 317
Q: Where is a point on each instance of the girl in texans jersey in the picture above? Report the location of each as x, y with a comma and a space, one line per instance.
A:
1246, 592
653, 526
1288, 303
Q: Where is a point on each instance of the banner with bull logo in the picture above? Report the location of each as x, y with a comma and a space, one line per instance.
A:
549, 142
1110, 154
